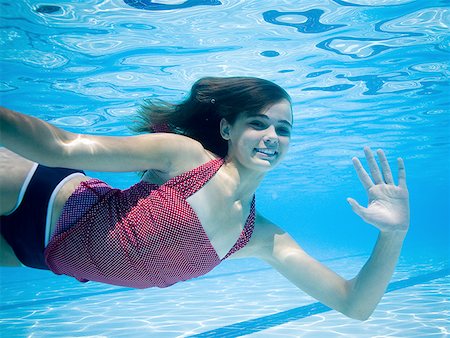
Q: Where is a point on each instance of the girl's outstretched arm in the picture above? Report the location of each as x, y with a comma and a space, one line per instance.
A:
44, 143
357, 298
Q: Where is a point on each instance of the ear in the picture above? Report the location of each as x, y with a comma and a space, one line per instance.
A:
225, 129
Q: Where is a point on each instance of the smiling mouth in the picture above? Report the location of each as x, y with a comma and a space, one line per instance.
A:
267, 152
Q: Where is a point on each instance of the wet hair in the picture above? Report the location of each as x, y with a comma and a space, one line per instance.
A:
210, 100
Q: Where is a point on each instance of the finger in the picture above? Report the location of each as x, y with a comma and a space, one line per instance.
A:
356, 207
386, 169
362, 174
373, 166
401, 173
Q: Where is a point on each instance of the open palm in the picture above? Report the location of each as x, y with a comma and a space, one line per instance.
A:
388, 204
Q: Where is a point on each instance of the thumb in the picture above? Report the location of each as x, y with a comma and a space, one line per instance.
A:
356, 207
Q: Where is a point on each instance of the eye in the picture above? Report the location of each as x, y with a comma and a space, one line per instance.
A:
283, 131
257, 124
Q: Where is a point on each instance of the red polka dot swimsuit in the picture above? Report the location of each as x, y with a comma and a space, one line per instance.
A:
144, 236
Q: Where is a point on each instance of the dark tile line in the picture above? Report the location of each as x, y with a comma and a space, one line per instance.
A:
68, 298
265, 322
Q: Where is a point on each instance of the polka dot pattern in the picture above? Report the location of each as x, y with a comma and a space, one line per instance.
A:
144, 236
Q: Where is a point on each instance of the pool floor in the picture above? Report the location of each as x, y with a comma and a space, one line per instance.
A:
244, 298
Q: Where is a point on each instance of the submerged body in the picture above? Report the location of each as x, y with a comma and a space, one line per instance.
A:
144, 236
128, 236
248, 122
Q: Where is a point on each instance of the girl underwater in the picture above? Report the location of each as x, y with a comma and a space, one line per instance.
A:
203, 160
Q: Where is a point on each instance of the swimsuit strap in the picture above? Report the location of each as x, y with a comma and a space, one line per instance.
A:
193, 180
246, 232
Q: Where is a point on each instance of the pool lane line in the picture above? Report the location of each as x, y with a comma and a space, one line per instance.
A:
68, 298
266, 322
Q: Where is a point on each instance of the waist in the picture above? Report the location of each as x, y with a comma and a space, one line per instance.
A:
62, 196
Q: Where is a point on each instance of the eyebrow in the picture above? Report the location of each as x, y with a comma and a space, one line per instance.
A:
267, 118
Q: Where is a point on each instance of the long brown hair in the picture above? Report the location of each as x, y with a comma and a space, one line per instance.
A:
210, 100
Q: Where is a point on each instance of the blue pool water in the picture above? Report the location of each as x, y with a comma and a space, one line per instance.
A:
360, 72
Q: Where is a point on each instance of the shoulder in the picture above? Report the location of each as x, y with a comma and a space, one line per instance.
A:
165, 152
183, 153
170, 141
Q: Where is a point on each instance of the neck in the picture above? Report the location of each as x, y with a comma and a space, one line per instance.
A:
244, 181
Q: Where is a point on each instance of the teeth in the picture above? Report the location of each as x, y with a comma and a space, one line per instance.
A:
266, 151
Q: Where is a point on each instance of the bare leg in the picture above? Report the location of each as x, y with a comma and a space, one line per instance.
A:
13, 171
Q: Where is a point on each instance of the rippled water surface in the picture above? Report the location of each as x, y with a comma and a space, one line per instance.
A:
360, 72
364, 72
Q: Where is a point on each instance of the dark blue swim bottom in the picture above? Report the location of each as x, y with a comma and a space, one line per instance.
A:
25, 229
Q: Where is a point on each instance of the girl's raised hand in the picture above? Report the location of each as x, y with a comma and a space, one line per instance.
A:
388, 204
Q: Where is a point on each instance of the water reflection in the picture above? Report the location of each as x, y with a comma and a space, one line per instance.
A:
158, 6
307, 22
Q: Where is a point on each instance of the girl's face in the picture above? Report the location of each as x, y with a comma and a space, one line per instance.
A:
260, 141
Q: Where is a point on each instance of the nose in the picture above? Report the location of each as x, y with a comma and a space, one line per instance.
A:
271, 137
